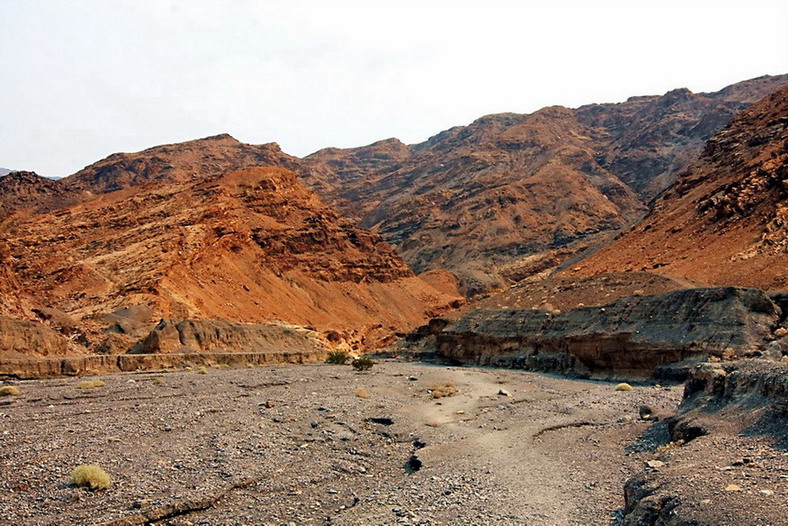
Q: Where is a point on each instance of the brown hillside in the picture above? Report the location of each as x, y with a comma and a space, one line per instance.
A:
21, 190
725, 222
182, 162
489, 199
250, 246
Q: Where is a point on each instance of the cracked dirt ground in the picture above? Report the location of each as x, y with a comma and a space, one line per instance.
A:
296, 445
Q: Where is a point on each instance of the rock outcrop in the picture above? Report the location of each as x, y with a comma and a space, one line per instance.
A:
630, 337
725, 221
246, 246
212, 336
483, 200
731, 429
24, 339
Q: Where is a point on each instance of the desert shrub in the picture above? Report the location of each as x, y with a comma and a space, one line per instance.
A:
361, 392
338, 357
90, 476
362, 364
90, 384
158, 381
443, 390
10, 390
202, 370
623, 387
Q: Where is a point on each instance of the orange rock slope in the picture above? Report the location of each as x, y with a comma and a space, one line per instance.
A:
249, 246
725, 222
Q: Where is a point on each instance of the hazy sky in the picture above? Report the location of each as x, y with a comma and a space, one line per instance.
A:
81, 79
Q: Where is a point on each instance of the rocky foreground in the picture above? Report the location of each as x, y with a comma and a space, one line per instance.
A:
322, 444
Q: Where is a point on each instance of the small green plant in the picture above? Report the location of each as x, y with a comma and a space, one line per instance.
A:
90, 476
362, 364
443, 390
10, 390
338, 357
623, 387
90, 384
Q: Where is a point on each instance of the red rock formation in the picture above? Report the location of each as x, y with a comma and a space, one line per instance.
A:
725, 221
249, 246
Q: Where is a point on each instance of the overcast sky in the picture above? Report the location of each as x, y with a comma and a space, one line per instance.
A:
81, 79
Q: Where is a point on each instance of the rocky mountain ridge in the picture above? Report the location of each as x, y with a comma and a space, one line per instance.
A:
511, 195
726, 218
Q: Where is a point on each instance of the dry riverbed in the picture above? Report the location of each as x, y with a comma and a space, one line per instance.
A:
323, 444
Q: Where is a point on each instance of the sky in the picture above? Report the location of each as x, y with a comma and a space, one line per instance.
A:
82, 79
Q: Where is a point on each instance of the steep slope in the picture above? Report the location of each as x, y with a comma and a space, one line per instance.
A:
249, 246
725, 221
510, 195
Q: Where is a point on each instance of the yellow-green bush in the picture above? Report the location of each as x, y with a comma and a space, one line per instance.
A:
90, 476
10, 390
443, 390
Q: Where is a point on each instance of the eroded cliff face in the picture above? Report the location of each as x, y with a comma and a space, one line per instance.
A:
725, 221
630, 337
512, 195
246, 246
725, 444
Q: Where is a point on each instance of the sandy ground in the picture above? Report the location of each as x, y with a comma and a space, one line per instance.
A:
297, 445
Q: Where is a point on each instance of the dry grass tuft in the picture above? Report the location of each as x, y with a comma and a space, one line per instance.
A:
624, 387
159, 381
443, 390
90, 476
667, 447
10, 390
202, 370
361, 392
90, 384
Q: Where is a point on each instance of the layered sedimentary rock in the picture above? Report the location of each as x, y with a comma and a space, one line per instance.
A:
247, 246
629, 337
24, 338
511, 195
181, 336
725, 221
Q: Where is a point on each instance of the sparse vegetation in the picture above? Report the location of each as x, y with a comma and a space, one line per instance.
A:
667, 447
624, 387
90, 384
202, 370
362, 364
443, 390
361, 392
90, 476
10, 390
338, 357
158, 381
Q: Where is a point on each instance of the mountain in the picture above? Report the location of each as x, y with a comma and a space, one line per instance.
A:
512, 195
725, 221
249, 245
19, 190
175, 163
5, 171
